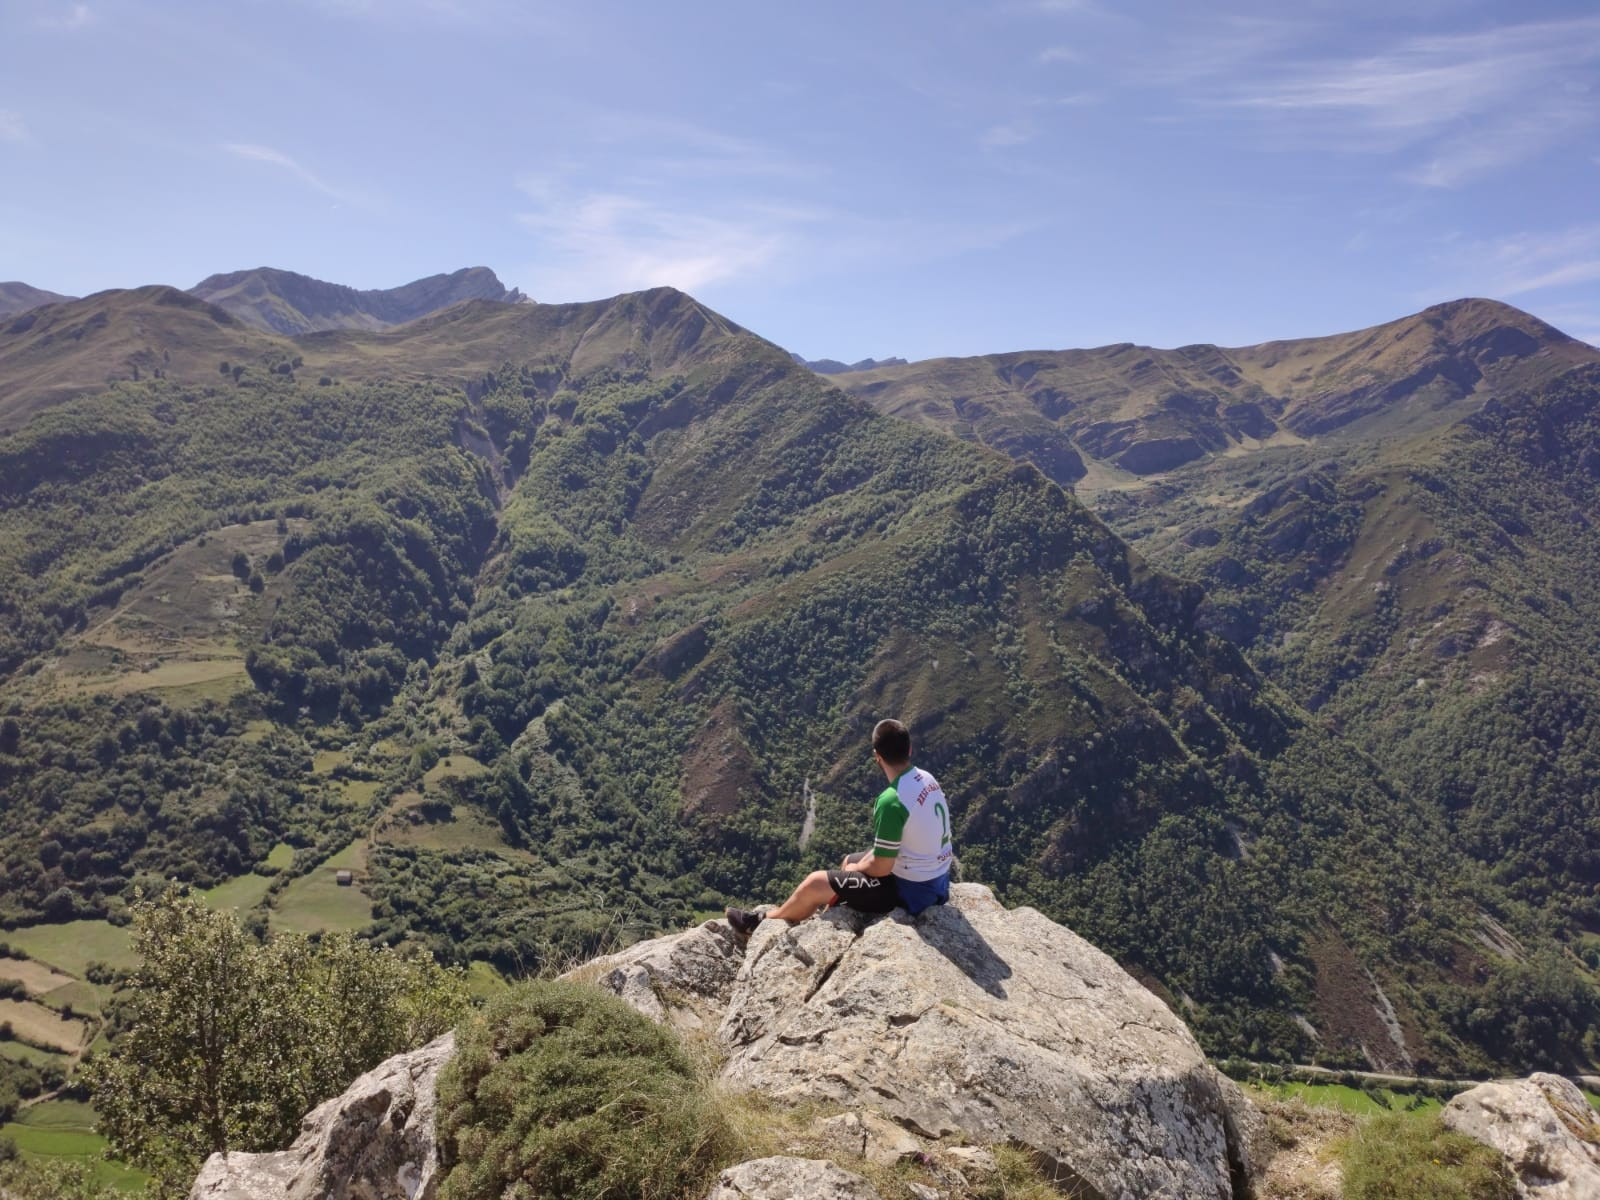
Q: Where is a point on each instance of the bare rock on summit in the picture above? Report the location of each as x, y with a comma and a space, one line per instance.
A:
1544, 1127
374, 1142
684, 979
786, 1178
998, 1025
969, 1023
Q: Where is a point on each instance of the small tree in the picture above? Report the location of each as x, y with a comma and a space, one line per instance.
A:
231, 1040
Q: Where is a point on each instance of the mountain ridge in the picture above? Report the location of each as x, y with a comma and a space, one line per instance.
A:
17, 297
1116, 413
286, 302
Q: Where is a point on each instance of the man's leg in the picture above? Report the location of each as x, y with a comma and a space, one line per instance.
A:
813, 892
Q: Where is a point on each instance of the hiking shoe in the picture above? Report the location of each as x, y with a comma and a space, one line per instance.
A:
743, 921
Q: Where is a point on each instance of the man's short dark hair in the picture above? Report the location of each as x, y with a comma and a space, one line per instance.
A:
892, 741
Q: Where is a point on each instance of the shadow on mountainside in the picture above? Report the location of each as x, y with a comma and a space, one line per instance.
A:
946, 928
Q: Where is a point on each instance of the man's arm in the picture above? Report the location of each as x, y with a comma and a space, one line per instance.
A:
874, 864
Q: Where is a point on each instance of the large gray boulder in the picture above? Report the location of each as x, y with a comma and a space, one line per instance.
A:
785, 1178
375, 1142
998, 1025
1544, 1127
683, 979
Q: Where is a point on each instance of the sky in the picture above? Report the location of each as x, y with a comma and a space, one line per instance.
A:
849, 178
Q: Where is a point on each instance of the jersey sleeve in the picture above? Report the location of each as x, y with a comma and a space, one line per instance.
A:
888, 824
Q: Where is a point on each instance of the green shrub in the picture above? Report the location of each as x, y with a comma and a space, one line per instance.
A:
1398, 1157
561, 1090
21, 1179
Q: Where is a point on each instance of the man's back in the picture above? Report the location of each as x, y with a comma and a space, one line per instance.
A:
912, 819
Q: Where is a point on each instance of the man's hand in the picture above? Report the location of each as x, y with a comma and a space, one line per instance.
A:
867, 863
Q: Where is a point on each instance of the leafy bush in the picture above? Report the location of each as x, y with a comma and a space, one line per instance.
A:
1396, 1157
25, 1179
561, 1090
228, 1041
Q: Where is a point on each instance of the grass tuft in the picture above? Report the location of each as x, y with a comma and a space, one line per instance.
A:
1393, 1157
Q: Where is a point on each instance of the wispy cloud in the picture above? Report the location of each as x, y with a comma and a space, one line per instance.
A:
13, 128
1459, 104
1060, 54
276, 158
66, 18
998, 137
602, 242
1535, 262
1581, 321
1551, 266
658, 202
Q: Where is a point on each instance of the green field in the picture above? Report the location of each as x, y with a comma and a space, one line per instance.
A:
246, 891
315, 902
74, 945
483, 981
80, 995
1351, 1100
358, 793
454, 766
18, 1052
282, 856
325, 761
197, 682
65, 1129
467, 829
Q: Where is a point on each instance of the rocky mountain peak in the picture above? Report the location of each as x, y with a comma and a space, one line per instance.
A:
285, 302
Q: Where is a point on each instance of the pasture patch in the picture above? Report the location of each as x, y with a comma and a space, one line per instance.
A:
42, 1026
1357, 1101
246, 891
72, 945
35, 976
32, 1055
316, 902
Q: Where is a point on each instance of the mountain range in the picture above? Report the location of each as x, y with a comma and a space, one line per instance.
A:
554, 622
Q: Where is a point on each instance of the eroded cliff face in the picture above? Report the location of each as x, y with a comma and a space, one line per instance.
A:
970, 1023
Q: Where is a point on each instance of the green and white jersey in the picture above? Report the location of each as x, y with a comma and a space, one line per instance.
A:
911, 824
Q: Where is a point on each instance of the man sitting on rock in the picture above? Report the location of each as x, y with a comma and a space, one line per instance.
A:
909, 863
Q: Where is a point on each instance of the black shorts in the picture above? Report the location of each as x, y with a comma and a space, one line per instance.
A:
863, 892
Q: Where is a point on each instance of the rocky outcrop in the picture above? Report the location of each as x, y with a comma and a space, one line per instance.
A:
784, 1178
974, 1020
375, 1142
968, 1025
1544, 1127
684, 979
